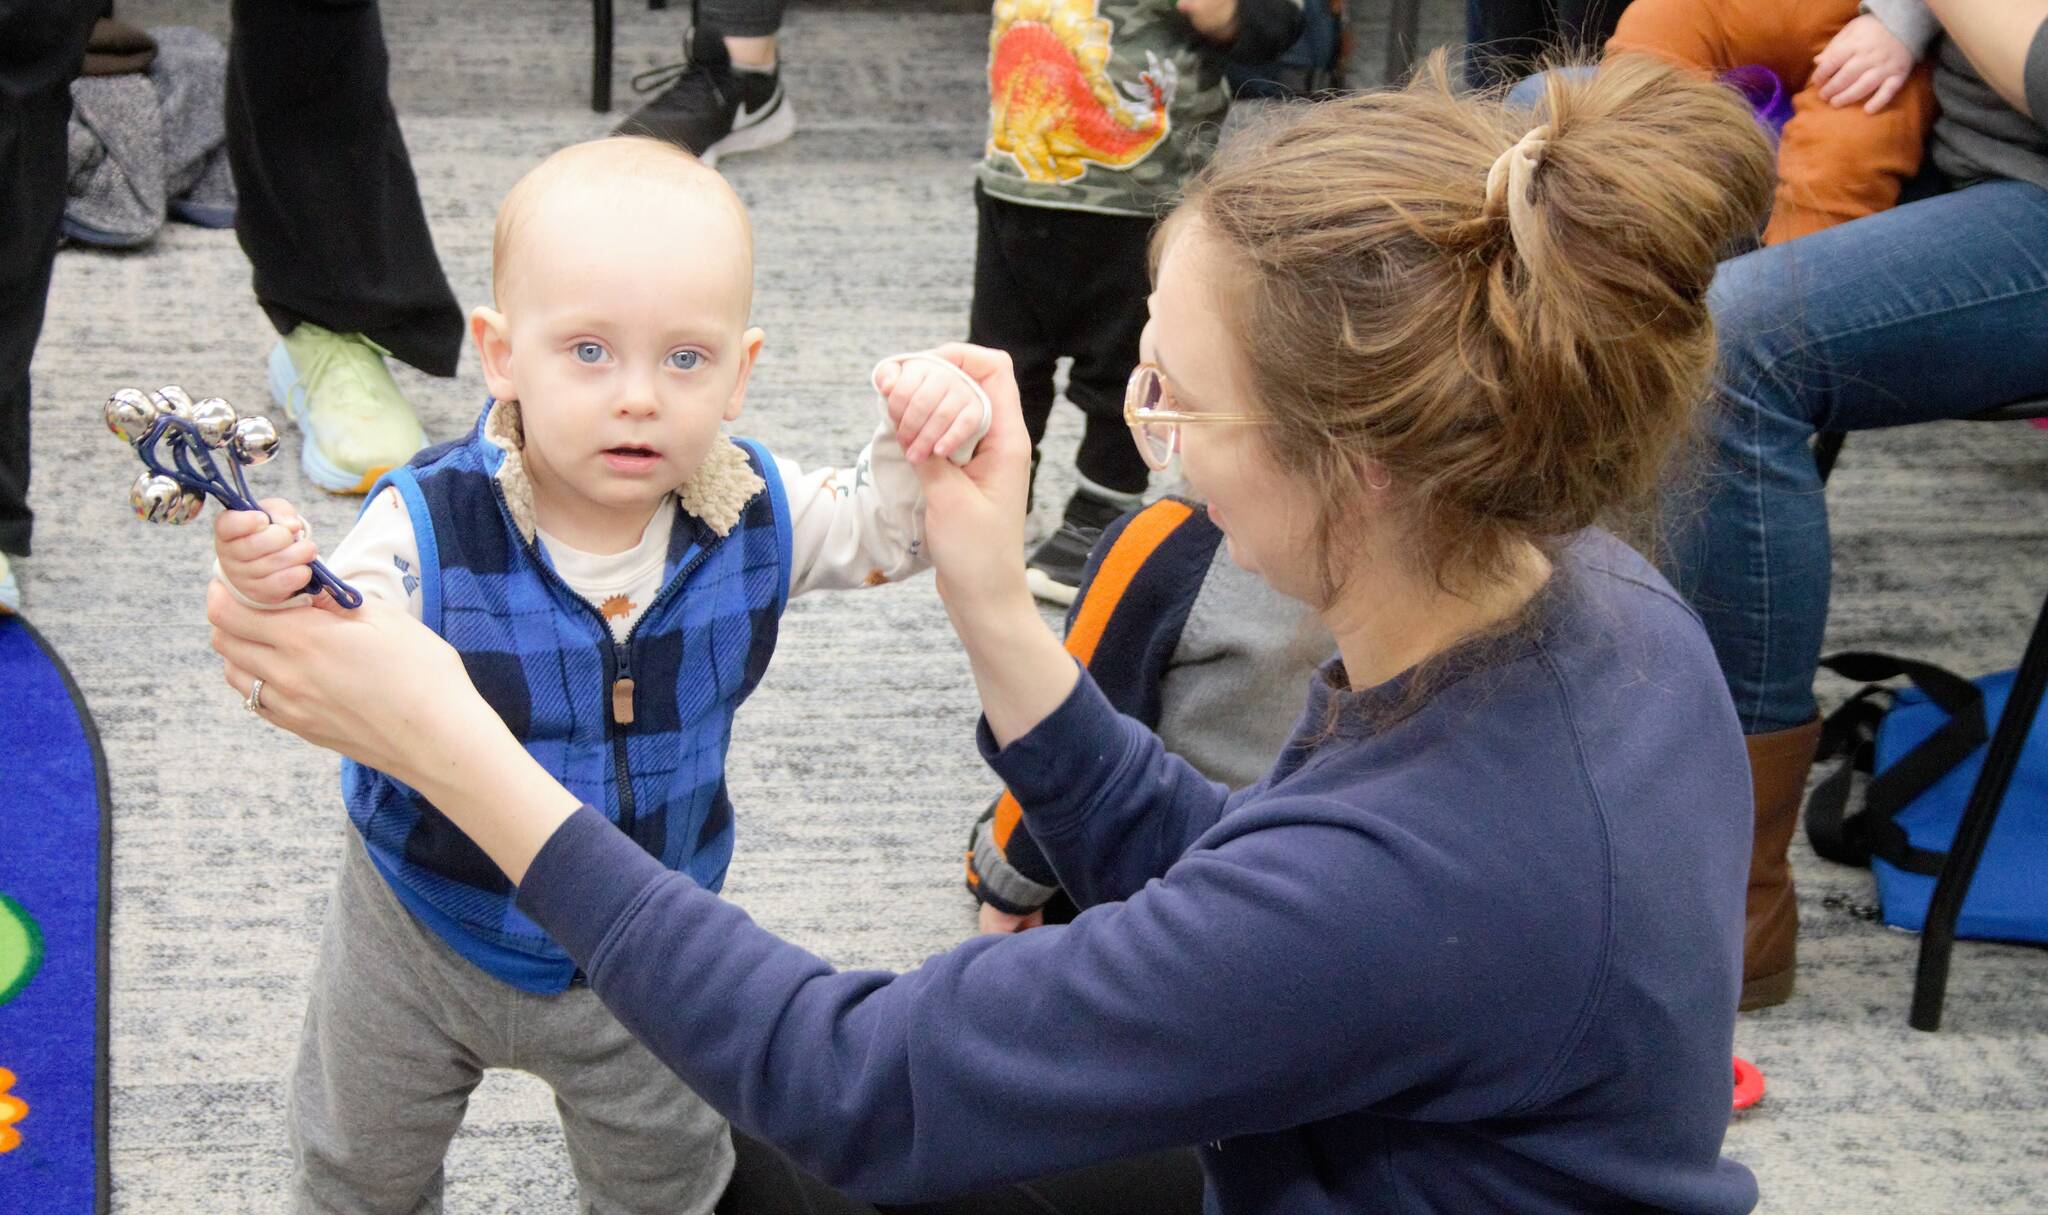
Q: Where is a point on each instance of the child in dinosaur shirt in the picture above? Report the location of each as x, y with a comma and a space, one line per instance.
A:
1098, 111
611, 568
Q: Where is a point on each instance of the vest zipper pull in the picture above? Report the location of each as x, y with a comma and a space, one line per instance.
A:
622, 687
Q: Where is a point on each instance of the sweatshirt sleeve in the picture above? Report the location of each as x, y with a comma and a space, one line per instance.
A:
1107, 804
1236, 996
1908, 20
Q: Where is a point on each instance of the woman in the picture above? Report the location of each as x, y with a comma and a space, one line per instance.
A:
1474, 942
1931, 310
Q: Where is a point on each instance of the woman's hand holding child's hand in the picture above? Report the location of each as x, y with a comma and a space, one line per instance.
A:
1864, 60
264, 560
974, 514
934, 406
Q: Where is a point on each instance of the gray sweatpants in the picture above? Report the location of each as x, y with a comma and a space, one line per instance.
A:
399, 1029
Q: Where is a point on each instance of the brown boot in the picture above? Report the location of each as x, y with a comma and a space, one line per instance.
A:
1778, 764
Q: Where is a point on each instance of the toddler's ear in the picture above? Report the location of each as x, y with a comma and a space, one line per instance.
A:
750, 349
487, 328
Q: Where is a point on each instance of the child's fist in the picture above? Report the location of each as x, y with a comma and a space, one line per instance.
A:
1864, 60
264, 560
936, 409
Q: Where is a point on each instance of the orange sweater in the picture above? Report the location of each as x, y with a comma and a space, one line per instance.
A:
1834, 165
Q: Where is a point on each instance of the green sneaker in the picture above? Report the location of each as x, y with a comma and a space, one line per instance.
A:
338, 390
10, 589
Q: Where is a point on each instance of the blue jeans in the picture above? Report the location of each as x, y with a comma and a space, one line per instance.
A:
1936, 309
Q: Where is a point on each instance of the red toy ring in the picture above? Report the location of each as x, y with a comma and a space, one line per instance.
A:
1749, 1084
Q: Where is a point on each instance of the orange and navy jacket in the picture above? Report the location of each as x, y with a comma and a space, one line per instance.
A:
1125, 626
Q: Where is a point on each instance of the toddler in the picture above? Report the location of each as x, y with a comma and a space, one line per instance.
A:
611, 568
1098, 111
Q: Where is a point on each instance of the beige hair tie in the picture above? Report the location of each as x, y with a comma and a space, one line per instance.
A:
1507, 183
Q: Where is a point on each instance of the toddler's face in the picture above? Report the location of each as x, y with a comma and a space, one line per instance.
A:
626, 342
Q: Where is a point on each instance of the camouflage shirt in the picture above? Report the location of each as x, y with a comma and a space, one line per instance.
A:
1099, 105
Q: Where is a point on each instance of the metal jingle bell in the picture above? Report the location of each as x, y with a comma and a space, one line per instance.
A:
154, 497
129, 414
216, 420
254, 440
174, 400
189, 506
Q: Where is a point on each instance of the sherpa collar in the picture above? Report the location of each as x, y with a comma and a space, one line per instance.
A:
715, 494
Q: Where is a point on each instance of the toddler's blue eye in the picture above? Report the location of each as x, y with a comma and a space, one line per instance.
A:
589, 352
685, 360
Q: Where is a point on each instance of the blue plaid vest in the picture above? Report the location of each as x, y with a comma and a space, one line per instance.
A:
638, 729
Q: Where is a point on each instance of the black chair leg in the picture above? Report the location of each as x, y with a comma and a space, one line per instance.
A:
1827, 448
601, 57
1404, 22
655, 4
1937, 936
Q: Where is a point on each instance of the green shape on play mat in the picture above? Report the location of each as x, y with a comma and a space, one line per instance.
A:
21, 948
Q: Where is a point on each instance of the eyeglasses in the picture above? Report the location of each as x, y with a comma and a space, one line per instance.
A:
1155, 424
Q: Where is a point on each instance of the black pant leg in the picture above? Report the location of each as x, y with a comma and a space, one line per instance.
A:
42, 45
1163, 1183
1588, 24
1105, 320
1050, 282
1003, 315
1507, 39
766, 1182
741, 18
329, 211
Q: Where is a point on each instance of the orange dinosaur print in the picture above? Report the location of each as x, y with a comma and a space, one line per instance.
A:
616, 607
1052, 107
12, 1110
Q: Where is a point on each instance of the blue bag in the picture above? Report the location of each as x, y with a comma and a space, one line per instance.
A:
1923, 747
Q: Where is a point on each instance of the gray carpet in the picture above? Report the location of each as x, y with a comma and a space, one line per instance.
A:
853, 767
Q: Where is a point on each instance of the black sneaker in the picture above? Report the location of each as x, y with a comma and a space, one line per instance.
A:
1055, 569
709, 107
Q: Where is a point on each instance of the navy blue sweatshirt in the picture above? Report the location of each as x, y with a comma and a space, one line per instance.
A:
1472, 950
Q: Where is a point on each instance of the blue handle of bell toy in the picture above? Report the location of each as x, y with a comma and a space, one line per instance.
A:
233, 494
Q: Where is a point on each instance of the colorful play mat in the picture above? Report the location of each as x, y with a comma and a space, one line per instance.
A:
54, 842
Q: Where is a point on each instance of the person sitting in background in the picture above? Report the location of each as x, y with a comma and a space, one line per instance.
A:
1861, 109
1930, 310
